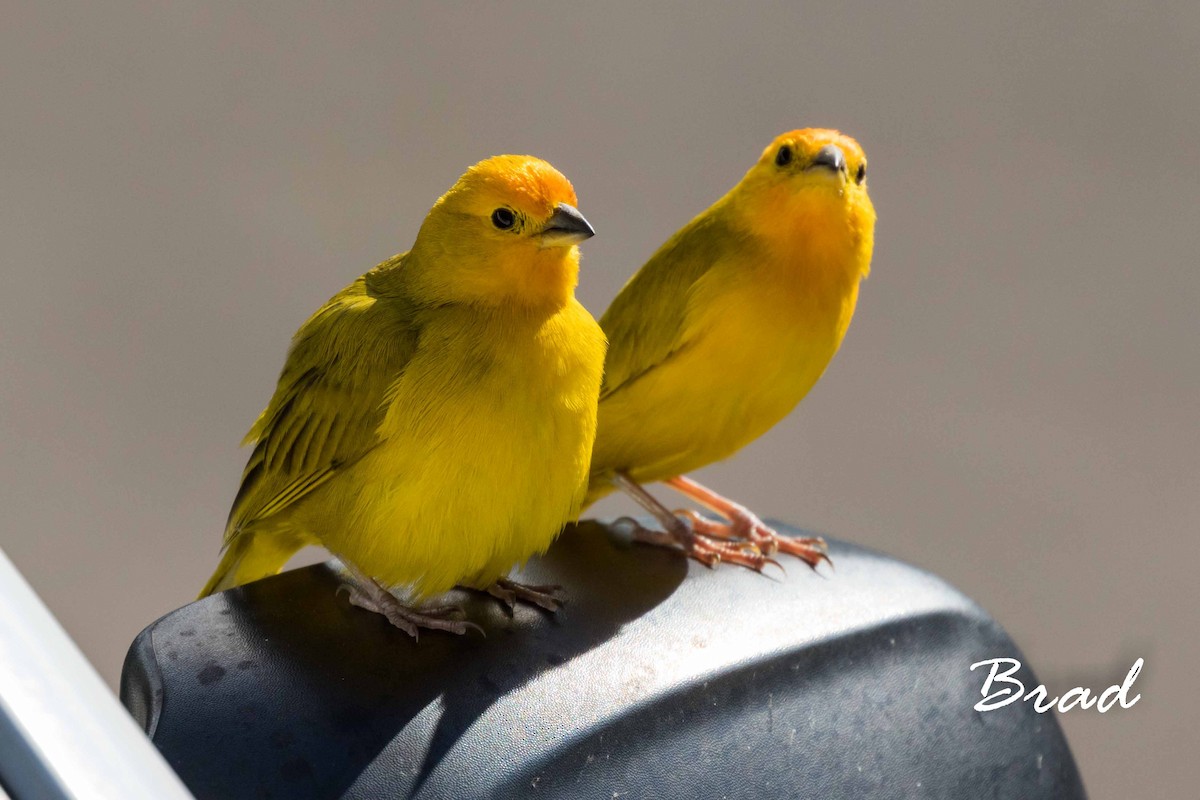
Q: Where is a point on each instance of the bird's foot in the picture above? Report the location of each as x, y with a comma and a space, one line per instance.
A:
703, 548
373, 597
547, 596
744, 525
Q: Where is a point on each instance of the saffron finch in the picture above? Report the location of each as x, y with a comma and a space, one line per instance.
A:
725, 329
434, 420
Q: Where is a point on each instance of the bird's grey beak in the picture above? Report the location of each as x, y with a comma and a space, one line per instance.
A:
566, 227
830, 157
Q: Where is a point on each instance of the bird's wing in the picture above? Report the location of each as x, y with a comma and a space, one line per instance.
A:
328, 404
646, 324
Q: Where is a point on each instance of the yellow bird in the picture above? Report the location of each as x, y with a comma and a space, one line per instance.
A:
725, 329
434, 420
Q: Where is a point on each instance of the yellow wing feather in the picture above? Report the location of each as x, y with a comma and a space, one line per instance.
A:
647, 321
329, 402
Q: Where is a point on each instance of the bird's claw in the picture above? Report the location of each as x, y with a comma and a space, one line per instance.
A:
410, 620
812, 550
708, 550
745, 554
546, 596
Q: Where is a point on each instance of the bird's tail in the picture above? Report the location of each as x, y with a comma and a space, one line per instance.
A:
251, 556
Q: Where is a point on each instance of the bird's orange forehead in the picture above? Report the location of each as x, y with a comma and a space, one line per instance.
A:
809, 140
524, 181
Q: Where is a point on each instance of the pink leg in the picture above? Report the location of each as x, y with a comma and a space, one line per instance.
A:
745, 524
679, 536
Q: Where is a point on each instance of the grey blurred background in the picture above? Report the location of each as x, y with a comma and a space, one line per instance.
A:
1015, 405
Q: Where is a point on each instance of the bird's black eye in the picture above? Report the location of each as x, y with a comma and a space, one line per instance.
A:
503, 219
861, 174
783, 157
